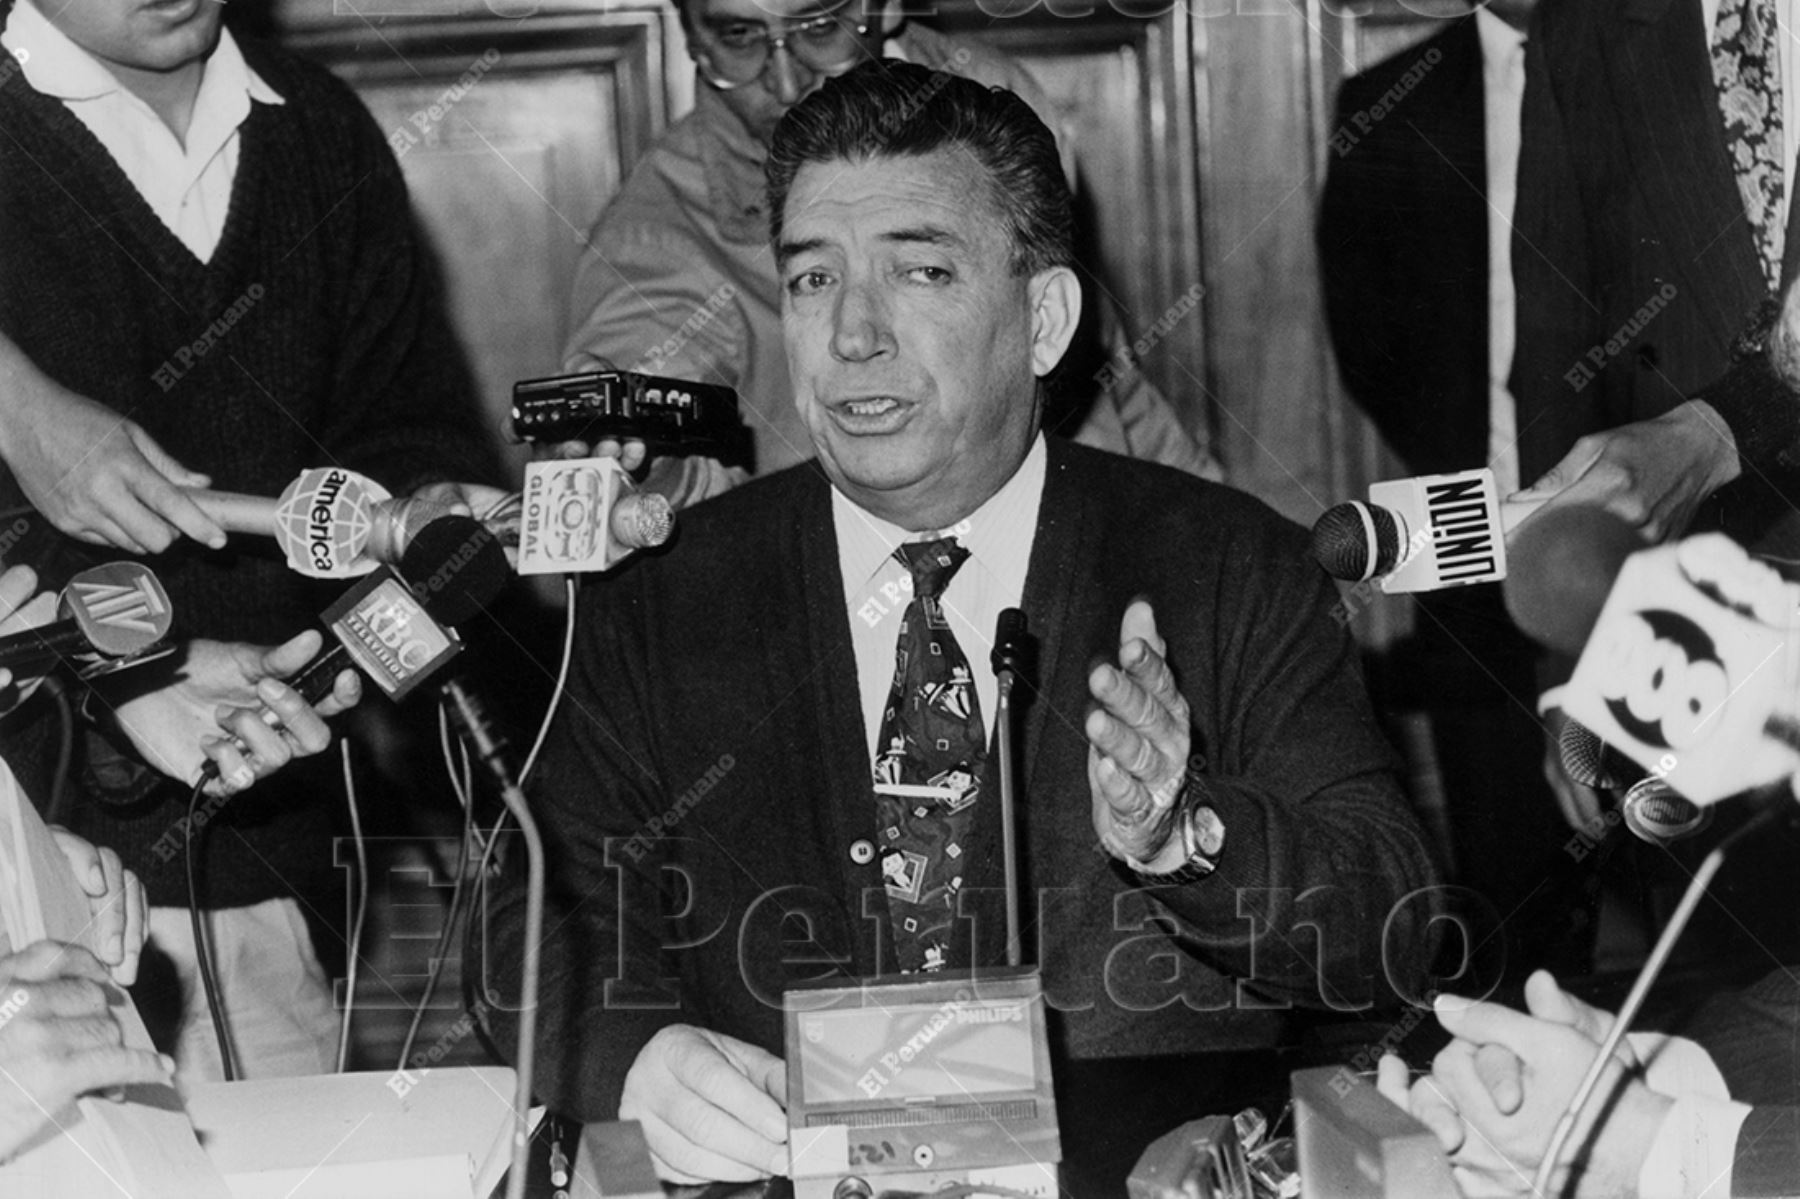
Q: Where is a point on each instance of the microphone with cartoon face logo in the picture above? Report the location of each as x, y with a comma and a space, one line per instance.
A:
1688, 652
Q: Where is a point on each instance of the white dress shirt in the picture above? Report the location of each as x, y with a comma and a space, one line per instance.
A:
1503, 91
1691, 1157
187, 180
877, 588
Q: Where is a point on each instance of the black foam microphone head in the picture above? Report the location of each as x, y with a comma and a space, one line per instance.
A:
1356, 541
456, 567
1012, 644
1591, 761
1560, 565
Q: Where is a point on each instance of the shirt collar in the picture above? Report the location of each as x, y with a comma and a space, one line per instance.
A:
56, 67
1499, 40
866, 542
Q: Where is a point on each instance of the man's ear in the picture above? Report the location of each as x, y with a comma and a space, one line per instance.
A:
1055, 311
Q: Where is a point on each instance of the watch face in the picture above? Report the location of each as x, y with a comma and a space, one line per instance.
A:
1209, 830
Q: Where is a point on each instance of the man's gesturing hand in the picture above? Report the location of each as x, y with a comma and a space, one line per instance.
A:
1138, 743
713, 1108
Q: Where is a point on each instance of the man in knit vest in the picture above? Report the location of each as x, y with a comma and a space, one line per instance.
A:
208, 242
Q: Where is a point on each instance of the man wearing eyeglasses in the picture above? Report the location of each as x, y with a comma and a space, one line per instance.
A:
678, 280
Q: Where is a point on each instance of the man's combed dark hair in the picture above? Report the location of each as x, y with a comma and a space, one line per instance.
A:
891, 109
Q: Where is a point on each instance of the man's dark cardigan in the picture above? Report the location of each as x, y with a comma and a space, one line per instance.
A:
314, 336
713, 733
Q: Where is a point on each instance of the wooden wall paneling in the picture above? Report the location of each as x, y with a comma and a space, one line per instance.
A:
1383, 28
1119, 85
513, 134
1259, 185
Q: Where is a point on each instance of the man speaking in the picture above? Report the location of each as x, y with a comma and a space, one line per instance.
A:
775, 763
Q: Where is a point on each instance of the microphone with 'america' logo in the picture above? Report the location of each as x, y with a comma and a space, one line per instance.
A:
330, 523
107, 616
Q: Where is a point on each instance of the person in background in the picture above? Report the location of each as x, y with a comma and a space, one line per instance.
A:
59, 1039
1415, 237
677, 278
208, 273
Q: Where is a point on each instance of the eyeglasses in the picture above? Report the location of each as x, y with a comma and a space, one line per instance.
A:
735, 53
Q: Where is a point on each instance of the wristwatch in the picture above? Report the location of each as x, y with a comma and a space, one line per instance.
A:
1202, 838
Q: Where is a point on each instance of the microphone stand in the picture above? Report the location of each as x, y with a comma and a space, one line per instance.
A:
473, 721
1008, 659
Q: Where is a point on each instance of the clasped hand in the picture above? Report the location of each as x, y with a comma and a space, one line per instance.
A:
60, 1040
1496, 1093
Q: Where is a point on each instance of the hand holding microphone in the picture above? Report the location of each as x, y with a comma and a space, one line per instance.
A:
1422, 534
95, 475
24, 607
1652, 474
230, 703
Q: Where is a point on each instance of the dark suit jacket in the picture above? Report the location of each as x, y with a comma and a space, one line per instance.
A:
1632, 256
714, 715
1753, 1036
1403, 249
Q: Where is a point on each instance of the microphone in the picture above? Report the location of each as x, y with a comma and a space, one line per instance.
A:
1657, 813
1421, 534
1014, 650
1688, 659
323, 520
583, 514
109, 615
332, 523
1652, 810
400, 635
1592, 762
1010, 659
1565, 566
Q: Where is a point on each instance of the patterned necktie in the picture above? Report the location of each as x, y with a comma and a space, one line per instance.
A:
929, 768
1747, 67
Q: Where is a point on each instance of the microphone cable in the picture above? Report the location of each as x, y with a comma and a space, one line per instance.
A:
463, 786
65, 747
202, 946
1640, 989
571, 592
472, 831
362, 907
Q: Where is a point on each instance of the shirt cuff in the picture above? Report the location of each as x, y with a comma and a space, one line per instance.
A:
1692, 1153
1677, 1067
